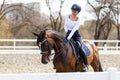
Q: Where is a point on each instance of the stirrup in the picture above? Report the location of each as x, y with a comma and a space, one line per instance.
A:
86, 68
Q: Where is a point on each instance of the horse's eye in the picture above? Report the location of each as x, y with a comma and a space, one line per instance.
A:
44, 45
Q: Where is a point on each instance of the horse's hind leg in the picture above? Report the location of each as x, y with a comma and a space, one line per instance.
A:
100, 67
96, 65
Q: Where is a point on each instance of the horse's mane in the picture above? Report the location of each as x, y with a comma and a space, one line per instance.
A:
56, 35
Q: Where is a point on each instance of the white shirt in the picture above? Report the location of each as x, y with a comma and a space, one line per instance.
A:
72, 26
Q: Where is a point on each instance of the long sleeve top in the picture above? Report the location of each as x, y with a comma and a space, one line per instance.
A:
72, 26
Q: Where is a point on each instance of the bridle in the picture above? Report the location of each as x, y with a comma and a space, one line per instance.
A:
49, 46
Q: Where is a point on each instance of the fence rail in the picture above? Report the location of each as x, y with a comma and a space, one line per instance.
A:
111, 74
29, 45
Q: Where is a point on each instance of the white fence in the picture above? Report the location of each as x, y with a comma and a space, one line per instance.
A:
18, 46
111, 74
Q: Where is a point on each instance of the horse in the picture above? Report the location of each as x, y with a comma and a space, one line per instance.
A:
64, 60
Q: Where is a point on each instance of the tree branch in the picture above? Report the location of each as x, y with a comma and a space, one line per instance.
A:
2, 5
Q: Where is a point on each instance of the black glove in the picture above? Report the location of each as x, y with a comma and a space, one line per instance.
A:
65, 41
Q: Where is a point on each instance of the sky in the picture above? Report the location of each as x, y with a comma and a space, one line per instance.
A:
84, 15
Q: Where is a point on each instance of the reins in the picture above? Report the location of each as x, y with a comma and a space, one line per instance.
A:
57, 54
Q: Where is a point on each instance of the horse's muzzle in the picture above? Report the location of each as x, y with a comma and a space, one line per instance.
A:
45, 61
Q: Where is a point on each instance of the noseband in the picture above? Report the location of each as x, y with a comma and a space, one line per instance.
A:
49, 46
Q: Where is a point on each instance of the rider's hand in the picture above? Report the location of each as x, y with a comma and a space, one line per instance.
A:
65, 41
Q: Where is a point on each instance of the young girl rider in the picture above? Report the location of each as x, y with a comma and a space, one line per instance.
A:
71, 26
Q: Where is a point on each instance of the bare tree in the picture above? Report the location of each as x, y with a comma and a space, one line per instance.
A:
116, 17
22, 17
104, 12
4, 9
25, 19
55, 23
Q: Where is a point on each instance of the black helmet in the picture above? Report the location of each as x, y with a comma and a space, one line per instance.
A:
76, 7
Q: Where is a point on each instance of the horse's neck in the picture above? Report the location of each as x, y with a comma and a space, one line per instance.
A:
58, 43
58, 46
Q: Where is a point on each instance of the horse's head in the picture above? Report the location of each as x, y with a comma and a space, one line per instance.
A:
45, 44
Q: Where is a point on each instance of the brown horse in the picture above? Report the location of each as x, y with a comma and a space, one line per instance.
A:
64, 59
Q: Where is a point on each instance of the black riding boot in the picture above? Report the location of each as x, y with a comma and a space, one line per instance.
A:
83, 56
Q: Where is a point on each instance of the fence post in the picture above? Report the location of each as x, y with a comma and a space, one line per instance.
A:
14, 44
117, 45
112, 74
105, 47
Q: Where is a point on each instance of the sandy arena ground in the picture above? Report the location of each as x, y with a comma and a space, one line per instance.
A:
30, 63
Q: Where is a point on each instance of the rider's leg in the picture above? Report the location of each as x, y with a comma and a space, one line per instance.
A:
77, 38
82, 54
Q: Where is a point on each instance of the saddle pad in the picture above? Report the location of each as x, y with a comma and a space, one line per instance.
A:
86, 50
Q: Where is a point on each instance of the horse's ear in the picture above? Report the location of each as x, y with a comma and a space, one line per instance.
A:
44, 32
35, 34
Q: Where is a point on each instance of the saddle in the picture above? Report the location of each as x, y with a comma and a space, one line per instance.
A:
76, 49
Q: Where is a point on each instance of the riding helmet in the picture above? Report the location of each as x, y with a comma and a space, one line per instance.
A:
76, 7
